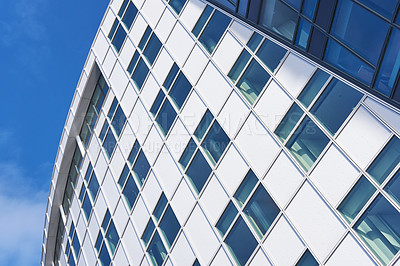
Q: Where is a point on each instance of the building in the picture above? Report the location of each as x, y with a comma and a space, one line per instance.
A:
222, 132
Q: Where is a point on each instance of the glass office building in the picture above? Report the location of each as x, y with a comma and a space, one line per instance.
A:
227, 132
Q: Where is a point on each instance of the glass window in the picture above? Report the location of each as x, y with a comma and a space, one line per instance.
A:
93, 187
122, 8
386, 7
242, 9
141, 168
307, 260
169, 226
198, 171
203, 125
152, 49
109, 143
87, 207
171, 76
356, 199
313, 87
393, 187
338, 97
231, 4
180, 90
271, 54
119, 38
148, 232
157, 102
188, 153
379, 229
88, 172
177, 5
307, 143
289, 122
123, 176
279, 18
132, 64
104, 256
226, 219
309, 8
386, 161
390, 64
99, 241
76, 245
112, 237
113, 28
261, 211
294, 3
112, 109
106, 220
241, 242
71, 261
162, 202
245, 188
215, 142
118, 121
303, 33
358, 28
202, 20
253, 81
129, 15
196, 263
212, 33
130, 192
156, 250
166, 117
238, 67
140, 74
134, 152
145, 37
341, 58
254, 41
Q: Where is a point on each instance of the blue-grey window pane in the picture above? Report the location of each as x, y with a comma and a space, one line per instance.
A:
198, 171
118, 121
215, 142
307, 143
88, 172
386, 161
112, 109
93, 187
241, 242
130, 192
289, 122
145, 37
226, 219
171, 76
76, 245
245, 188
379, 229
303, 34
214, 30
313, 87
385, 7
82, 193
119, 38
271, 54
338, 97
141, 168
104, 256
307, 260
279, 18
109, 143
393, 187
196, 263
390, 65
122, 8
99, 241
112, 237
356, 199
239, 65
133, 62
261, 211
253, 81
129, 15
152, 48
148, 232
123, 176
203, 125
162, 202
67, 248
157, 250
254, 41
177, 5
180, 90
104, 131
166, 117
71, 261
202, 20
341, 58
309, 8
87, 207
362, 31
169, 226
188, 153
242, 9
113, 28
140, 74
106, 220
134, 152
294, 3
157, 102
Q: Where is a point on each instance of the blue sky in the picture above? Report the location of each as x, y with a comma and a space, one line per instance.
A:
43, 47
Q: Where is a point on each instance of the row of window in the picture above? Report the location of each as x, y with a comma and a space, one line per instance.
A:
89, 190
107, 240
73, 246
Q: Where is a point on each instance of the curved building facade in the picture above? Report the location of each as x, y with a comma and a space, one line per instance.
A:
200, 134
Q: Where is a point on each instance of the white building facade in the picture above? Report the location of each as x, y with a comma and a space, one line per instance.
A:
195, 139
